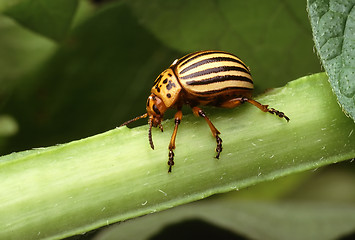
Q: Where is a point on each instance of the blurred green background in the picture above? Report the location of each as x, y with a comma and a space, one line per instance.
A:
72, 69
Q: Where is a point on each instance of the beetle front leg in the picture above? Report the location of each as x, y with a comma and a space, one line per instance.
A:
178, 117
198, 112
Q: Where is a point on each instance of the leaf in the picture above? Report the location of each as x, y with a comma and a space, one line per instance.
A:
20, 53
315, 202
252, 219
50, 18
277, 46
75, 187
333, 25
4, 4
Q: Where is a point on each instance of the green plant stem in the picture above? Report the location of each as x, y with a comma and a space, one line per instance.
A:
75, 187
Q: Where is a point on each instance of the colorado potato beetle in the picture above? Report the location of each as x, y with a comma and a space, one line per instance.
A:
213, 78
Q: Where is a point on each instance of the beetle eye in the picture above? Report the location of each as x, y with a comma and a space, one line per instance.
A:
156, 110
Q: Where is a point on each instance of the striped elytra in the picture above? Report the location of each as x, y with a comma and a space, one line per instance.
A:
213, 73
201, 78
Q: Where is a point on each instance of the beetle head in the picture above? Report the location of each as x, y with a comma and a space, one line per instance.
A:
155, 110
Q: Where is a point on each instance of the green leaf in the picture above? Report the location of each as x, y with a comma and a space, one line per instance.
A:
321, 201
20, 53
75, 187
277, 46
5, 4
50, 18
333, 25
251, 219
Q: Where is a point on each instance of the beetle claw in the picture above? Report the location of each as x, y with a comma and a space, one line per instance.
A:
219, 146
171, 160
278, 113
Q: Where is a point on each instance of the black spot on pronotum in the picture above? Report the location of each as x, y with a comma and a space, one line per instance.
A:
165, 81
170, 85
157, 88
158, 79
168, 95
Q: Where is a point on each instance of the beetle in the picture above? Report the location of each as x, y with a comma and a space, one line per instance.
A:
215, 78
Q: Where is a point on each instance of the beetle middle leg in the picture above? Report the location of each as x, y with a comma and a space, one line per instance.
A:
178, 117
198, 112
265, 108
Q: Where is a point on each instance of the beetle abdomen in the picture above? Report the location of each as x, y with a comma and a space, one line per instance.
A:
212, 73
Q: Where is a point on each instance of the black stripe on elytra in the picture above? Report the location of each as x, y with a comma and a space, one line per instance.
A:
222, 90
219, 79
185, 57
197, 55
215, 70
209, 60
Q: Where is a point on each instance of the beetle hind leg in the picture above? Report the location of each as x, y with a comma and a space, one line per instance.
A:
265, 108
198, 112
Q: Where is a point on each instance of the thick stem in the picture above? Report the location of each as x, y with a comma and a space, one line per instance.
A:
75, 187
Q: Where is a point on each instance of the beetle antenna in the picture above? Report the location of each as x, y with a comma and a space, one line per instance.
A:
150, 134
134, 119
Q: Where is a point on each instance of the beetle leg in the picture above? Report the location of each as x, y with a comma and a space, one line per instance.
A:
178, 117
161, 127
265, 108
198, 112
232, 103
